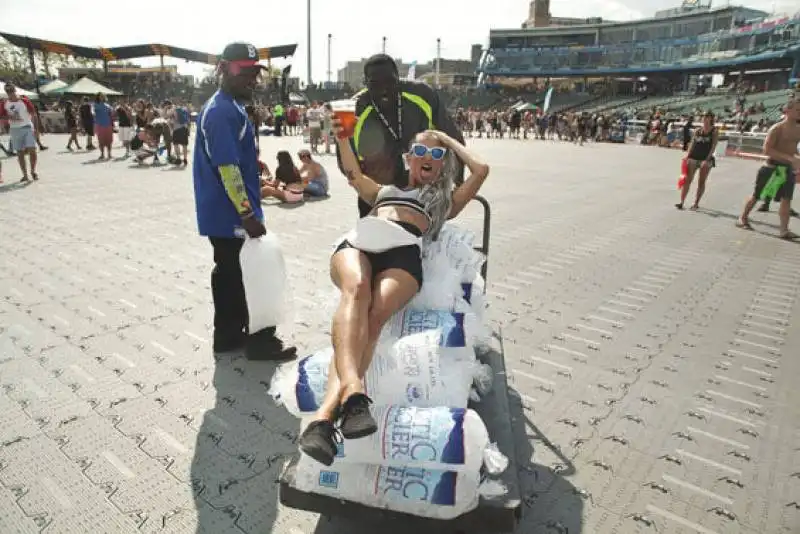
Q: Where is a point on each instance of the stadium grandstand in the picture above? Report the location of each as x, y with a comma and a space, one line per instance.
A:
673, 49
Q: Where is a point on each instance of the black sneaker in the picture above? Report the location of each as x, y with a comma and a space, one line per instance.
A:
356, 421
265, 346
763, 207
319, 441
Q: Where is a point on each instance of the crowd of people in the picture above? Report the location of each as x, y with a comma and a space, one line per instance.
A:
409, 180
576, 127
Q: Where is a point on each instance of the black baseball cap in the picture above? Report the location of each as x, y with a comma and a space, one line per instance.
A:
243, 55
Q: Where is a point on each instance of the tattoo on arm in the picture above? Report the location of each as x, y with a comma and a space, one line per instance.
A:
234, 185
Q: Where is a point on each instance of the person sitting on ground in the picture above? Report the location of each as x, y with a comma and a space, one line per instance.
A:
378, 270
288, 184
314, 175
263, 170
145, 145
161, 132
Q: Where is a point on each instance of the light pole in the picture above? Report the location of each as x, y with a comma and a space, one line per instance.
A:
438, 60
308, 39
330, 36
383, 48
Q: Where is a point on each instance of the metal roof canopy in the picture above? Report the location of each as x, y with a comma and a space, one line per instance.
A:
133, 51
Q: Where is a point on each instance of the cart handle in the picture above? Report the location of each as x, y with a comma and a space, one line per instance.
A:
487, 224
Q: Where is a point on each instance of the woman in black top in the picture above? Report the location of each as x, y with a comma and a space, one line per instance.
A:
124, 121
286, 171
72, 125
700, 155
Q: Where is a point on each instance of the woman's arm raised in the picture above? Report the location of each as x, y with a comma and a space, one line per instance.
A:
367, 187
478, 172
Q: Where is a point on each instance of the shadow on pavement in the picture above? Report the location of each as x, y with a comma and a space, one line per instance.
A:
551, 504
14, 186
237, 456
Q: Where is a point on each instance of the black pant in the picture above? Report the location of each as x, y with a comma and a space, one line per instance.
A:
227, 290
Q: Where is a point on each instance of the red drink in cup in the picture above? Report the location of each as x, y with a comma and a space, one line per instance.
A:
345, 112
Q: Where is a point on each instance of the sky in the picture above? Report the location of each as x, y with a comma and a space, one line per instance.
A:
411, 27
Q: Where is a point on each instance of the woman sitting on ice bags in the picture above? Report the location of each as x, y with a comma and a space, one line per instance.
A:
378, 269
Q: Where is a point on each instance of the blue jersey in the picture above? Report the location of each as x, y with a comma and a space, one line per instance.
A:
102, 114
182, 116
224, 137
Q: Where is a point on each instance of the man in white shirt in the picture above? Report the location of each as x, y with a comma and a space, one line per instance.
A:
20, 115
315, 116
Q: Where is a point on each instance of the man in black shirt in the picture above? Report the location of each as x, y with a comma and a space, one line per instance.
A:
390, 113
87, 121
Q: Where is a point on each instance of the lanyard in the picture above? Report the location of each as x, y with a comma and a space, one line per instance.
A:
398, 135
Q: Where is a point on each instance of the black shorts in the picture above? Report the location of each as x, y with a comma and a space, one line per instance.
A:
89, 129
407, 258
711, 162
180, 136
765, 173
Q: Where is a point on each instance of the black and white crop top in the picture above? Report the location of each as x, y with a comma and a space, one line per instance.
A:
390, 195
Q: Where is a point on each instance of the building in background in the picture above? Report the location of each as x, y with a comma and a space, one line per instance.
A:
539, 16
676, 45
353, 71
451, 71
122, 73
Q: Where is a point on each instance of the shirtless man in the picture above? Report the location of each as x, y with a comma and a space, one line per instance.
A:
315, 178
780, 147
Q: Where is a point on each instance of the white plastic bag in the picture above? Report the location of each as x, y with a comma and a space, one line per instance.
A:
441, 285
458, 330
410, 371
452, 439
403, 371
264, 278
439, 494
300, 385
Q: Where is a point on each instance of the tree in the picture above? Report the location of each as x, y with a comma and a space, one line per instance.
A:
14, 62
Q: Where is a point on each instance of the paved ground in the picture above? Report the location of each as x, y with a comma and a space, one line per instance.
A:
652, 353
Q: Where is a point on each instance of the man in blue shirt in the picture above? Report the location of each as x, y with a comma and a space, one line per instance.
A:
228, 200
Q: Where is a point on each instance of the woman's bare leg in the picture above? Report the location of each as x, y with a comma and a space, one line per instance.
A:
391, 291
330, 403
687, 184
268, 191
701, 185
352, 273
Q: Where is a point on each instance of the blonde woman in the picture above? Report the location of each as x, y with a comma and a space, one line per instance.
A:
378, 270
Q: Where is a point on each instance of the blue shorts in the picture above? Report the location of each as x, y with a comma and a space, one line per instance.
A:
315, 189
22, 138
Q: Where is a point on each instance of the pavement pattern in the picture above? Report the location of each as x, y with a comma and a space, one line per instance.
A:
651, 353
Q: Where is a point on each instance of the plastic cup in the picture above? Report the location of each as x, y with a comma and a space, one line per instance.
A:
345, 112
